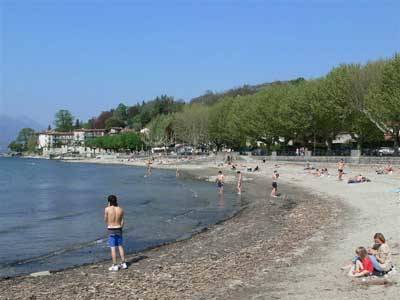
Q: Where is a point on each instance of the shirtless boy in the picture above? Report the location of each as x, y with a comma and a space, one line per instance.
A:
340, 169
114, 218
220, 182
274, 192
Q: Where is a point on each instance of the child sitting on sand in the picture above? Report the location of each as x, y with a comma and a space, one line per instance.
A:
361, 264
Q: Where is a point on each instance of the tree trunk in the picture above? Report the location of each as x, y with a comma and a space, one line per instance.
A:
396, 140
329, 142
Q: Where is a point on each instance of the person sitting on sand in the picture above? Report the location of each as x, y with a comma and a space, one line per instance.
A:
362, 264
380, 254
317, 173
256, 169
239, 183
274, 192
220, 182
358, 179
387, 170
308, 166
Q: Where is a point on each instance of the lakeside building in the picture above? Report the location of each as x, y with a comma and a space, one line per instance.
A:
81, 136
59, 143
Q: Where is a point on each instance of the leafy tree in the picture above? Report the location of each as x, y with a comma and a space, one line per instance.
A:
16, 147
114, 122
100, 121
133, 111
77, 124
64, 120
120, 112
135, 122
24, 135
384, 101
191, 125
160, 131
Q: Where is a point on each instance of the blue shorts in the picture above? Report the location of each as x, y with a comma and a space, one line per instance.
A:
115, 240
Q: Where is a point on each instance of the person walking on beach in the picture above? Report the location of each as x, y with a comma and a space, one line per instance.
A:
340, 169
220, 182
274, 192
114, 218
239, 182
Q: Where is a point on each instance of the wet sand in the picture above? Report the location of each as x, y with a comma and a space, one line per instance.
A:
291, 247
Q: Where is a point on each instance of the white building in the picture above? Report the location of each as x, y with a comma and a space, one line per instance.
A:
51, 139
51, 142
81, 136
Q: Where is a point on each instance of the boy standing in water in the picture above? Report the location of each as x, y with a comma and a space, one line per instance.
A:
239, 183
220, 182
114, 218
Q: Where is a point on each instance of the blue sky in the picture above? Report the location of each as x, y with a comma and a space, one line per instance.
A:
88, 56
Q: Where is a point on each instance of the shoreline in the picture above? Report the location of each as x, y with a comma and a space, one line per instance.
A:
254, 244
236, 259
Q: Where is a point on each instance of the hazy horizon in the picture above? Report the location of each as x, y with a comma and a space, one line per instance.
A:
89, 56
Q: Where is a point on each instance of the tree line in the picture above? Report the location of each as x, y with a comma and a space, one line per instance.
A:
362, 100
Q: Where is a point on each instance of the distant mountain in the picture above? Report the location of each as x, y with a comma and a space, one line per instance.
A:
10, 126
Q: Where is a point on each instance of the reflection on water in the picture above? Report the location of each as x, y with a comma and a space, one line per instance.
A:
221, 202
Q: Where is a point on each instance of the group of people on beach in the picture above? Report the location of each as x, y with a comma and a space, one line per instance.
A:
239, 183
376, 260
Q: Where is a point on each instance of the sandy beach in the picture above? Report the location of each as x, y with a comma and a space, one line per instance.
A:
290, 247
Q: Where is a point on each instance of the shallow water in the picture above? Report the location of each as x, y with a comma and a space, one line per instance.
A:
52, 212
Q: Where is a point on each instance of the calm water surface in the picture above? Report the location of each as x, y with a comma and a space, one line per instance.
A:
51, 213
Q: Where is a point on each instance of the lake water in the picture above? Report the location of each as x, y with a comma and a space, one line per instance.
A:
51, 214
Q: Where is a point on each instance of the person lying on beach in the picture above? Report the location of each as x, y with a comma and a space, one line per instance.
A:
380, 254
358, 179
361, 264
